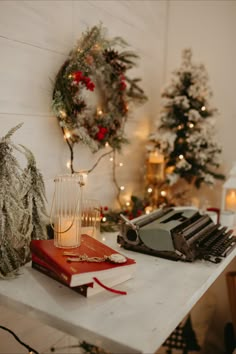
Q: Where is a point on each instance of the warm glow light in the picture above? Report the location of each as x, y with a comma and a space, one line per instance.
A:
67, 135
104, 219
68, 164
111, 158
203, 108
191, 125
148, 210
107, 144
155, 157
180, 127
149, 190
163, 193
99, 112
127, 203
96, 47
62, 113
122, 188
104, 239
181, 157
230, 201
121, 164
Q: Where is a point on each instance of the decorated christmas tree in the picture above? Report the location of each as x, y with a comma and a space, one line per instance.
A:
186, 132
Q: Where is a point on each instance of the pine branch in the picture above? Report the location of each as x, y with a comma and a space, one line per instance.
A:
12, 131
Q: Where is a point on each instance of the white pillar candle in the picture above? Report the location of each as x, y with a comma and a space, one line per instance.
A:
68, 232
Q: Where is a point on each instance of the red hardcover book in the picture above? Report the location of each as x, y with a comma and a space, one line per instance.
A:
86, 290
80, 273
46, 269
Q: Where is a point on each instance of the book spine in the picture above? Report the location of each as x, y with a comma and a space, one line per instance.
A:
62, 273
82, 289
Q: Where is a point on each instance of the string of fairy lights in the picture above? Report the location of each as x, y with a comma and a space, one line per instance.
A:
112, 158
124, 200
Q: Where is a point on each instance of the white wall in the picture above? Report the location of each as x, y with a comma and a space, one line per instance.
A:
209, 28
35, 39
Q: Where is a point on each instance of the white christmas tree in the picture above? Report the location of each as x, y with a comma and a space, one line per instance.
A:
186, 133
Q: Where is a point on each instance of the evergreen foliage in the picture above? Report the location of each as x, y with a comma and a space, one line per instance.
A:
21, 206
186, 134
95, 65
34, 198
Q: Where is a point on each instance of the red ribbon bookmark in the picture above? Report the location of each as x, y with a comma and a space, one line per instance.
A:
109, 289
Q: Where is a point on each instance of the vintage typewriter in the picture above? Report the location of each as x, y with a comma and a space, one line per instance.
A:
178, 234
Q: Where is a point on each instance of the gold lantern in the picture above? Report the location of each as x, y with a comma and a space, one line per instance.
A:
155, 175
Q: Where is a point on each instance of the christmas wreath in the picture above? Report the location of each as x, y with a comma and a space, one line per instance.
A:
92, 91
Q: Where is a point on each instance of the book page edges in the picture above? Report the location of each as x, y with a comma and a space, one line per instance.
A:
102, 275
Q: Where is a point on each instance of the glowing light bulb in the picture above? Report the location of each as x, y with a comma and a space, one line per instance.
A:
122, 188
62, 113
107, 144
121, 164
127, 203
148, 210
104, 219
203, 108
181, 157
191, 125
111, 159
149, 190
96, 47
99, 112
67, 135
68, 164
163, 193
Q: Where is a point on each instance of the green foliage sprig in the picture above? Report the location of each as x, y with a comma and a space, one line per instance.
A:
22, 208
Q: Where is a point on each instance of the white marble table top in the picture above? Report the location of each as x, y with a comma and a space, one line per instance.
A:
161, 293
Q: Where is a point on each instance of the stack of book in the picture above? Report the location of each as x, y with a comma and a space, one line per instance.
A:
87, 278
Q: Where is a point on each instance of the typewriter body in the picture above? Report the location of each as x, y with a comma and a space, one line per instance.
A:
178, 234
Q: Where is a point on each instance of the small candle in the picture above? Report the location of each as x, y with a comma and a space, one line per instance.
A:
67, 234
155, 157
155, 166
230, 201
